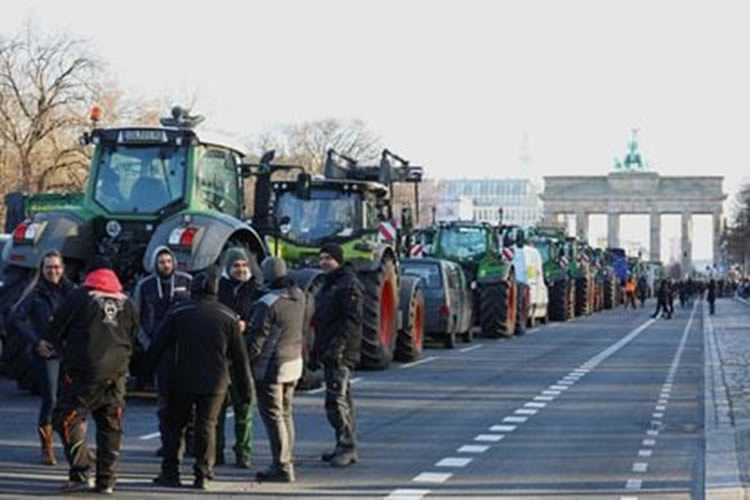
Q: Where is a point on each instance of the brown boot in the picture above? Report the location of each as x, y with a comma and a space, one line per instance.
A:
48, 453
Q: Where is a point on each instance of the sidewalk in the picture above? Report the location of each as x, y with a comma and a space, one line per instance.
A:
727, 399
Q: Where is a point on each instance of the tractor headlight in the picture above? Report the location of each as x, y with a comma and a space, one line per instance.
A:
113, 228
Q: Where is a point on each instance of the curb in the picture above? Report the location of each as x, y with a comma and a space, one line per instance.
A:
722, 475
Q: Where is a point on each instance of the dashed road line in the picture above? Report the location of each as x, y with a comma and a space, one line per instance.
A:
407, 494
490, 438
645, 453
515, 420
432, 477
473, 448
634, 484
454, 462
503, 428
472, 348
640, 467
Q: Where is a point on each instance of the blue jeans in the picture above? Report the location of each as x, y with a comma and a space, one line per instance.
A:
46, 372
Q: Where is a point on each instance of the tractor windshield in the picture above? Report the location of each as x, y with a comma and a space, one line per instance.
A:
544, 250
463, 242
329, 214
140, 179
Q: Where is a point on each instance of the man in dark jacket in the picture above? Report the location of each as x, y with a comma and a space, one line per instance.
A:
96, 326
205, 336
711, 296
661, 299
338, 327
153, 297
238, 290
274, 344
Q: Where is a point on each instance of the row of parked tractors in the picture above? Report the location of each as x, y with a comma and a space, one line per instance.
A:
170, 185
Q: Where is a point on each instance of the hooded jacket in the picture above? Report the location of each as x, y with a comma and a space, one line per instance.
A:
338, 318
155, 294
96, 325
274, 341
32, 317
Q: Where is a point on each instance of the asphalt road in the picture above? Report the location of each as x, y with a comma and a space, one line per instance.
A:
607, 406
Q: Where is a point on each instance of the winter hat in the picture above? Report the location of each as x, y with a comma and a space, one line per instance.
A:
233, 255
273, 269
103, 280
334, 250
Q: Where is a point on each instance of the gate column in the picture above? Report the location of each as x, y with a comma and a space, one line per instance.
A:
655, 235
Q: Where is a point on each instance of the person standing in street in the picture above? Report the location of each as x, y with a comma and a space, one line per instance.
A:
661, 299
205, 334
31, 317
238, 290
96, 326
274, 345
338, 338
711, 296
642, 290
153, 297
630, 292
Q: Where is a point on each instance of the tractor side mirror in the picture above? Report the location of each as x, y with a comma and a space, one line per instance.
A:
304, 186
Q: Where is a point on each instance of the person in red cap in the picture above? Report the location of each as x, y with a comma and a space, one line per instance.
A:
96, 326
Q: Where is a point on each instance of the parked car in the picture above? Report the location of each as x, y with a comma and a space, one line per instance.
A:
448, 299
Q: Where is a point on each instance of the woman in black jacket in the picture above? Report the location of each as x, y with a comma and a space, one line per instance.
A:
31, 317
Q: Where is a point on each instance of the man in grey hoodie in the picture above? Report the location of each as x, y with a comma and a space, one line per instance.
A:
274, 345
153, 297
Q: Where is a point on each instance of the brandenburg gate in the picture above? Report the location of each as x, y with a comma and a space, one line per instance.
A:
632, 189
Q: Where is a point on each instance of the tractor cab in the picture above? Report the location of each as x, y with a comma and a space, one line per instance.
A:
147, 187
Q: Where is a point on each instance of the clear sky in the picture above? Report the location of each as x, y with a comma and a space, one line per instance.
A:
453, 85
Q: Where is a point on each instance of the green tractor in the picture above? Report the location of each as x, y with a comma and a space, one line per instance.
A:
605, 280
486, 258
554, 248
350, 205
147, 187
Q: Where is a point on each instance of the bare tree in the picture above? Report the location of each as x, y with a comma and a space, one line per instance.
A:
307, 143
45, 88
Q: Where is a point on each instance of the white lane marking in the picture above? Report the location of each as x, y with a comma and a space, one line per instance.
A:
640, 467
552, 325
649, 442
153, 435
420, 362
432, 477
660, 407
468, 349
656, 423
454, 462
544, 398
652, 432
559, 387
634, 484
533, 330
535, 405
407, 494
515, 420
489, 438
658, 414
503, 428
551, 393
582, 371
645, 453
663, 401
526, 411
566, 382
124, 479
473, 448
628, 498
667, 386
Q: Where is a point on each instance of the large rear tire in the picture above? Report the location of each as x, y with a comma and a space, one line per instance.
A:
583, 294
570, 290
609, 293
497, 310
558, 301
379, 319
411, 335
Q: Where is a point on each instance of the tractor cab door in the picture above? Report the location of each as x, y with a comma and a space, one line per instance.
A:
218, 183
